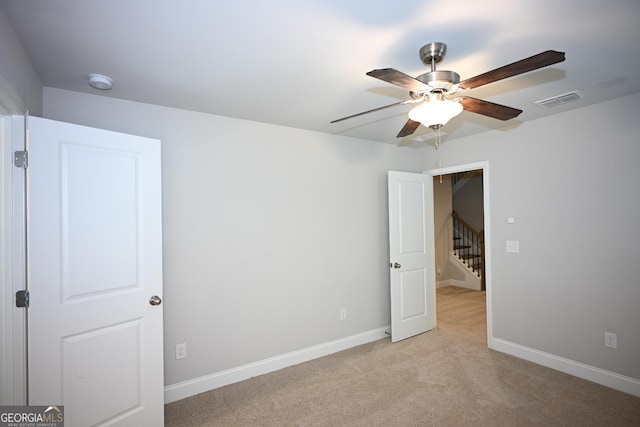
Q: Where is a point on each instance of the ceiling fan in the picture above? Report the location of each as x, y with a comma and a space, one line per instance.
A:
432, 90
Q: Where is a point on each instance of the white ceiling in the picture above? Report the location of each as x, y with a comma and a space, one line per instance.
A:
303, 63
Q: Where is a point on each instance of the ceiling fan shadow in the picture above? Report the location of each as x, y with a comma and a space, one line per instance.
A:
390, 91
485, 122
520, 82
370, 120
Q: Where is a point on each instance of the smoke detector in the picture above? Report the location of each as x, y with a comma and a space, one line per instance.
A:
98, 81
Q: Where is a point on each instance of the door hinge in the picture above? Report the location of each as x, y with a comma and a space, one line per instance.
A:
21, 159
22, 299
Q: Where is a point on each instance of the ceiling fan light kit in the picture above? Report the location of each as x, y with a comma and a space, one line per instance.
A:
433, 89
435, 112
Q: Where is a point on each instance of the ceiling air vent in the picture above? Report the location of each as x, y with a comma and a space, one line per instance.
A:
554, 101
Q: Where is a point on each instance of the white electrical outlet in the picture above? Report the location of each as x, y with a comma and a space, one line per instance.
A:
181, 350
343, 314
610, 340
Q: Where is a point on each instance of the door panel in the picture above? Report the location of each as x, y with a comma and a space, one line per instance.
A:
94, 260
98, 183
413, 309
413, 294
93, 378
411, 227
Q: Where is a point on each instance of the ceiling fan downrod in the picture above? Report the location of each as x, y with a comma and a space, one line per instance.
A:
445, 81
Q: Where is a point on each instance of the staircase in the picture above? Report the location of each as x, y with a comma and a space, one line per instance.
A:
468, 246
459, 179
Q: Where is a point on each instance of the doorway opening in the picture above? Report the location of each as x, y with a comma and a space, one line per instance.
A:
463, 276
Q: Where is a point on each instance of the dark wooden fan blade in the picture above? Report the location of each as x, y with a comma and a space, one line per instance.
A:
523, 66
398, 78
408, 128
371, 111
489, 109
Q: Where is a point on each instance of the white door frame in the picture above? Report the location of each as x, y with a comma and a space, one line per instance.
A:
484, 165
12, 251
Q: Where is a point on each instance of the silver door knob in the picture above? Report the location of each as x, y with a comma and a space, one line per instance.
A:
396, 265
155, 300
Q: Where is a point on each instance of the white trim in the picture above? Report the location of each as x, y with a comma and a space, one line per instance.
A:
568, 366
458, 168
13, 334
6, 266
20, 377
192, 387
446, 282
13, 390
454, 282
484, 165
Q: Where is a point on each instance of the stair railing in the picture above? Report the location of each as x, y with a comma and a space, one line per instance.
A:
468, 245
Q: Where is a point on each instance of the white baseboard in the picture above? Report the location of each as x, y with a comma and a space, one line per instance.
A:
188, 388
445, 283
590, 373
458, 284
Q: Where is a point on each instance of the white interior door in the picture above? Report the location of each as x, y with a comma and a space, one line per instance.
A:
413, 290
94, 261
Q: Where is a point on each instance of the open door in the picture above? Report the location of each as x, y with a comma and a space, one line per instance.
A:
94, 256
413, 290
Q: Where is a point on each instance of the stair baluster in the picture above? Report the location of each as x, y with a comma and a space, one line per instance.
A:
468, 245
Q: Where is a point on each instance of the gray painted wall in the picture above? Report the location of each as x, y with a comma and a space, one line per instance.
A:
442, 226
18, 78
269, 230
573, 191
468, 202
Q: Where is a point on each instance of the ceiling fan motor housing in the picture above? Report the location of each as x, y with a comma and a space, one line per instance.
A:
445, 81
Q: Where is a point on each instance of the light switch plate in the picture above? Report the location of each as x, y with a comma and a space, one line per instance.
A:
513, 246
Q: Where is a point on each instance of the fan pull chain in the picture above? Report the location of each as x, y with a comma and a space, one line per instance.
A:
438, 143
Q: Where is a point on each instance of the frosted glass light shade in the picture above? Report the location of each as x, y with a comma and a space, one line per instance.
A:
435, 112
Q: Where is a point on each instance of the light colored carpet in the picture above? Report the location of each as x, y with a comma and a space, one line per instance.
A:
445, 377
